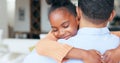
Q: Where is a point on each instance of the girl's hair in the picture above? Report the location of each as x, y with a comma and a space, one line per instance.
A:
55, 4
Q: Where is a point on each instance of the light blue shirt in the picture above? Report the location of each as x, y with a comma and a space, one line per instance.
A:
87, 38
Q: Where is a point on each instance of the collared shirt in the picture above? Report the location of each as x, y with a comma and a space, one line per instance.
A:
87, 38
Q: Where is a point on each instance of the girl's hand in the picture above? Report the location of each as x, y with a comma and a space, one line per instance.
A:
92, 56
112, 56
51, 36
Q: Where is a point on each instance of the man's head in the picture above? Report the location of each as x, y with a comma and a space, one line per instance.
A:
97, 11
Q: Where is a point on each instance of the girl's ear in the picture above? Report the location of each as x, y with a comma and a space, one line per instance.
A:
78, 20
78, 10
112, 15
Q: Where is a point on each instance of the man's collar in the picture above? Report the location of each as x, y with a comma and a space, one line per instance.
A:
97, 31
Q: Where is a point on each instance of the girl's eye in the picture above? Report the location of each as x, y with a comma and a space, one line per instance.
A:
66, 25
54, 30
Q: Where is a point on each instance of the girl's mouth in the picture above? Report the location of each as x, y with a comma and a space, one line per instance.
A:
66, 37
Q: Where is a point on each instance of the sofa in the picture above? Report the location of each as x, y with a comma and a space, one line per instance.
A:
14, 50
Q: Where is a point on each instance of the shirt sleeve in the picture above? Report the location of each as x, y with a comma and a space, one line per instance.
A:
52, 48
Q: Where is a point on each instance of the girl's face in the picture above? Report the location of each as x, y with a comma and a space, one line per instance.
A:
63, 23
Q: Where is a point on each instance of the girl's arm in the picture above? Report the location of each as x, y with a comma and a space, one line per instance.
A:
48, 46
117, 33
52, 49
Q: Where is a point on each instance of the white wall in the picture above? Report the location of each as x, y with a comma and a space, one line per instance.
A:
3, 17
11, 12
45, 25
22, 25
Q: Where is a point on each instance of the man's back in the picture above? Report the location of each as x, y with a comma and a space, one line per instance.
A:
99, 39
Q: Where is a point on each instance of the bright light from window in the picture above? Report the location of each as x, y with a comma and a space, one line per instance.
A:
10, 5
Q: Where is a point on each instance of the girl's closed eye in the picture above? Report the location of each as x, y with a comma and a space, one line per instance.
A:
65, 24
54, 30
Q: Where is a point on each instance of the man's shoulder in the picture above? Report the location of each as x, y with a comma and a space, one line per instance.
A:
68, 41
115, 37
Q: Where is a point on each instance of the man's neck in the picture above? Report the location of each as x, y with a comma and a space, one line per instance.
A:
85, 23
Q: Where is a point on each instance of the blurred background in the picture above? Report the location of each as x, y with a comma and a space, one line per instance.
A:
24, 22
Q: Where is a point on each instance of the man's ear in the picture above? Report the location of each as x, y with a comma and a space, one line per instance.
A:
112, 15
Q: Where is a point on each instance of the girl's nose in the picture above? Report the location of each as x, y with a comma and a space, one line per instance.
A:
61, 33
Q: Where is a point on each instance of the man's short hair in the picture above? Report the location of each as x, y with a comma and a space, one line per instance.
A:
96, 9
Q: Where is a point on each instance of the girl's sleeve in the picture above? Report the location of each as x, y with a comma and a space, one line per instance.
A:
49, 46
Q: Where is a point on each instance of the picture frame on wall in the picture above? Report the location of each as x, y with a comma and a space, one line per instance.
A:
21, 14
